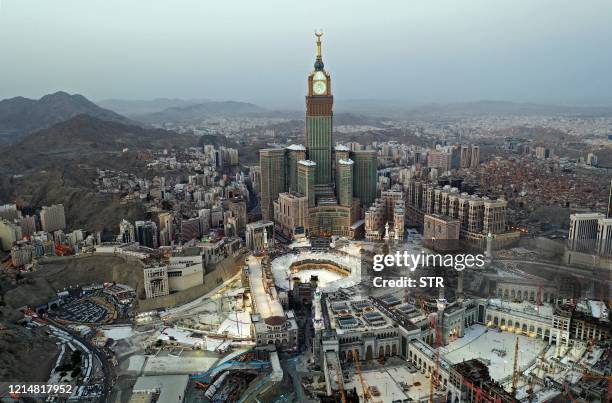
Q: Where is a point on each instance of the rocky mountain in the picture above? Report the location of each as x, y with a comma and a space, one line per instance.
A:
194, 113
19, 116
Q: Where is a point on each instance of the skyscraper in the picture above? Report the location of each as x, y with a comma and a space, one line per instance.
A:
295, 153
364, 176
344, 181
306, 180
319, 102
272, 165
329, 178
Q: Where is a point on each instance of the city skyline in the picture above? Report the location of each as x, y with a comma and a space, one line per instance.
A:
414, 54
416, 204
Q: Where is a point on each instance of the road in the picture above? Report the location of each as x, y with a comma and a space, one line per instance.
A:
109, 373
557, 268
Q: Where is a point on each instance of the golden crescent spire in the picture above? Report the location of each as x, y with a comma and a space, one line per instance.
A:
318, 34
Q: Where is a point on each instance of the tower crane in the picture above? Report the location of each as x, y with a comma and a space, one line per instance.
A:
366, 391
435, 375
515, 373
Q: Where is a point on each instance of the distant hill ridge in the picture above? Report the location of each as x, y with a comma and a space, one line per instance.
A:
19, 115
203, 110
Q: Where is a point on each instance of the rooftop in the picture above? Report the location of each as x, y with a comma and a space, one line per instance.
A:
266, 306
171, 388
296, 147
307, 163
356, 314
525, 309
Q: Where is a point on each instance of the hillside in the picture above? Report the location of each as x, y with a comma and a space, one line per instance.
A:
19, 116
29, 355
88, 132
85, 137
58, 165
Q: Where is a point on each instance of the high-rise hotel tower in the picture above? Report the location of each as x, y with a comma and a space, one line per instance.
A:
319, 102
334, 183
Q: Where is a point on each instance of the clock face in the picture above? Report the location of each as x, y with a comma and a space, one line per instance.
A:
319, 76
319, 87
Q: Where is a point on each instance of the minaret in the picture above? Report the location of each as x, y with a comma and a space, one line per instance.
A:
265, 240
460, 283
318, 325
489, 249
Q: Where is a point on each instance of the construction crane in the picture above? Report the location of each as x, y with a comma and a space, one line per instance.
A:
366, 390
340, 381
434, 380
515, 372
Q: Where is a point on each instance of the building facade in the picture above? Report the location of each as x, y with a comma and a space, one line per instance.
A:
259, 234
291, 213
156, 281
272, 166
53, 218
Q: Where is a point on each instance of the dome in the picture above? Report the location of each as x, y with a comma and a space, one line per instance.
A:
318, 65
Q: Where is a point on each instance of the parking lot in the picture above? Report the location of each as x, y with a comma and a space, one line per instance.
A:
87, 310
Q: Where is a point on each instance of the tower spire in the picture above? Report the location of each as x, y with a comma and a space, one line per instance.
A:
319, 61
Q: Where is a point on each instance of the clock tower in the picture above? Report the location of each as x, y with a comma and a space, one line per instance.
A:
319, 102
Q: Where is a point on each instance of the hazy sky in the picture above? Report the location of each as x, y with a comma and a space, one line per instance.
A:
262, 51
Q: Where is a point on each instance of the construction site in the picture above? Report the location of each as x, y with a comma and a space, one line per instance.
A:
300, 326
303, 326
